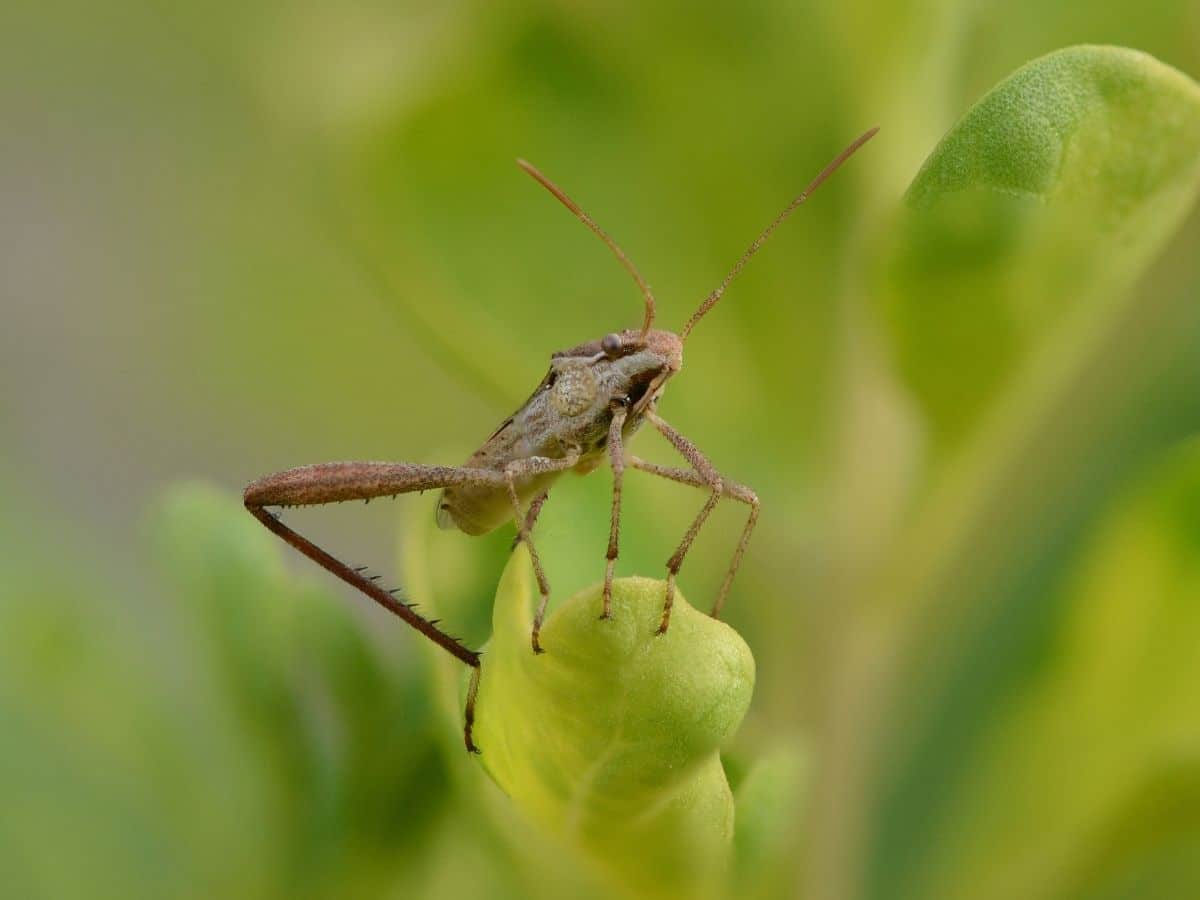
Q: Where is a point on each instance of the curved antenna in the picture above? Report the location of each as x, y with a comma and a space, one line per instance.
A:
612, 245
711, 300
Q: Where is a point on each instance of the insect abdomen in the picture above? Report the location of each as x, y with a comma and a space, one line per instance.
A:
479, 510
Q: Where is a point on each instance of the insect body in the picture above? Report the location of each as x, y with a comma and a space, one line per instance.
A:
570, 411
592, 399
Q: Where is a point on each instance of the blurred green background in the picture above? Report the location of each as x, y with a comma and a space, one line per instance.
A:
236, 238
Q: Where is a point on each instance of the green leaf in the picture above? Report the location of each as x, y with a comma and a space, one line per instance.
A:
1009, 289
1096, 749
1040, 207
770, 816
610, 738
347, 734
239, 736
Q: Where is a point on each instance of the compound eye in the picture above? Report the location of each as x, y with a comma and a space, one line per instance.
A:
611, 345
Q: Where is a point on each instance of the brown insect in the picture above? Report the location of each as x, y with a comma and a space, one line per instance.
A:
593, 398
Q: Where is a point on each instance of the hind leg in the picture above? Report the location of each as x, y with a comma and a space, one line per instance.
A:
705, 476
337, 482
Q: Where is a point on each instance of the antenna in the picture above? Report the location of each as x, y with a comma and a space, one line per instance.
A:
612, 245
711, 300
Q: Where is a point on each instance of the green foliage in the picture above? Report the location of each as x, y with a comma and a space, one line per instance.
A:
340, 729
1094, 749
1052, 193
272, 752
972, 593
770, 812
1027, 691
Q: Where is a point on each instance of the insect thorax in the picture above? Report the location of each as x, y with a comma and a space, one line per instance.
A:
575, 389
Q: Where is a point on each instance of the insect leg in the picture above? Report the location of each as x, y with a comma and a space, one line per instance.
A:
469, 709
616, 455
531, 516
733, 490
335, 482
524, 468
705, 476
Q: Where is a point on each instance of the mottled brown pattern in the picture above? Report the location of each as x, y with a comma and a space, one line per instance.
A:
540, 429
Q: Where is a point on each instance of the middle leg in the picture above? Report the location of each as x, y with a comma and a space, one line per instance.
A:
616, 455
531, 517
524, 468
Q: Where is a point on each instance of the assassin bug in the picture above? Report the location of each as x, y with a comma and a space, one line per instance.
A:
592, 399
